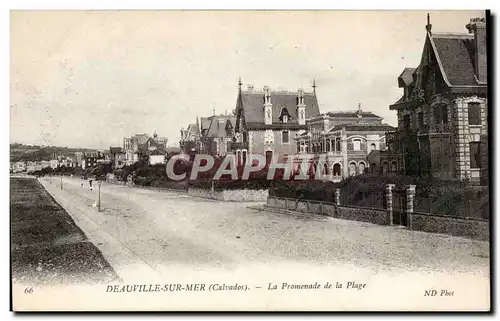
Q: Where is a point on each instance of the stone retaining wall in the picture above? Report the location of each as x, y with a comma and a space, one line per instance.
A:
363, 214
237, 195
465, 227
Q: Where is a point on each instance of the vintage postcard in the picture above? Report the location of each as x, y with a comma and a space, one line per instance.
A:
327, 160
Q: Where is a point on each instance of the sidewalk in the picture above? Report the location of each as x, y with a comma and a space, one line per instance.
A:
125, 262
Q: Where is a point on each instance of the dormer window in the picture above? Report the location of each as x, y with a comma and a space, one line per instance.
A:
284, 116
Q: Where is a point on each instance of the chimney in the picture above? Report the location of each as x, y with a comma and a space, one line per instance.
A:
477, 26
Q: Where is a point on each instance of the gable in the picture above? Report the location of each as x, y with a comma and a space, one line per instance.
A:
455, 55
219, 126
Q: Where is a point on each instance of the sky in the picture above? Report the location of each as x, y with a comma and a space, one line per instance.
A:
89, 78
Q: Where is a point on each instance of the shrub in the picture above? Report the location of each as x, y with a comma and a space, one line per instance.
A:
444, 197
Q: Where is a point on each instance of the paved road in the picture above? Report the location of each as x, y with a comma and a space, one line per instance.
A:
158, 231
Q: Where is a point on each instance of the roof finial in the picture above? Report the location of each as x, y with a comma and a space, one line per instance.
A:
314, 85
213, 111
428, 27
239, 83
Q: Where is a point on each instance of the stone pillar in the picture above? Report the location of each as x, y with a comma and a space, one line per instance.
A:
337, 196
388, 203
461, 139
484, 179
410, 195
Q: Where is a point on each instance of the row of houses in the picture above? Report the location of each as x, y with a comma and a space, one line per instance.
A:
80, 159
141, 147
151, 149
284, 124
442, 127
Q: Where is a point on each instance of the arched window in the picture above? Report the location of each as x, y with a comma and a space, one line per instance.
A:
269, 156
385, 167
338, 148
312, 169
325, 169
373, 168
244, 156
327, 145
352, 169
336, 170
361, 167
356, 144
238, 157
373, 147
394, 167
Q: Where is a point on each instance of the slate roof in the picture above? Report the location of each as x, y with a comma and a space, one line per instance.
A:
363, 127
140, 138
253, 102
456, 54
406, 76
204, 122
218, 124
353, 114
192, 130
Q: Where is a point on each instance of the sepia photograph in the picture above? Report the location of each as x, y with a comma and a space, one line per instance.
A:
250, 160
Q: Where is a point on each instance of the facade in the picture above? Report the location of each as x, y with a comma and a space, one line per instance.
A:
78, 158
157, 159
54, 163
141, 146
191, 139
344, 140
19, 167
267, 122
131, 147
117, 157
218, 136
92, 159
442, 115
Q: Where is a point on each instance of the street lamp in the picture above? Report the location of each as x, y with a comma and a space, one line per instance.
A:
99, 199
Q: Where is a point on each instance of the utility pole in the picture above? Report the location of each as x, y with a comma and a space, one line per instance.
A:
99, 199
441, 116
61, 180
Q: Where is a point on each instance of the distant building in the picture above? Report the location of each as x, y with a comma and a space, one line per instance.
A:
45, 164
142, 146
131, 147
217, 137
92, 159
78, 158
191, 139
157, 158
54, 163
19, 167
117, 157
